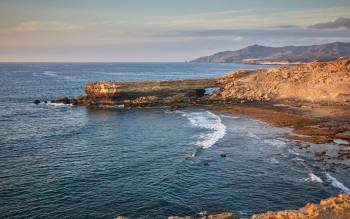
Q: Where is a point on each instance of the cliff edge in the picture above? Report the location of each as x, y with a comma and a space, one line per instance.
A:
316, 82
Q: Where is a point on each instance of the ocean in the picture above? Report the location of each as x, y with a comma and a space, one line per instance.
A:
61, 161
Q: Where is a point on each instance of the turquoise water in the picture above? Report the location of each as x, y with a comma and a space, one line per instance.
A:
60, 161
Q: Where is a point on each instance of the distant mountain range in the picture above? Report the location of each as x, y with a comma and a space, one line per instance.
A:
257, 54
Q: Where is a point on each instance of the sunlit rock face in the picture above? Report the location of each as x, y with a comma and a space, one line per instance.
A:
149, 92
316, 82
334, 207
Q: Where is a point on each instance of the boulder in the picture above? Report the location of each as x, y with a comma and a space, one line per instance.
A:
36, 101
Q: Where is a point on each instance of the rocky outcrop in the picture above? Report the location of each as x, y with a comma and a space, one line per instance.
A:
316, 82
147, 93
225, 215
334, 207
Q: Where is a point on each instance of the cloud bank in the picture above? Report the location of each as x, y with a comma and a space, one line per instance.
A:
341, 22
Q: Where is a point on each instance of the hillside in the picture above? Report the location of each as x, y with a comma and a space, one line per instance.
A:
313, 82
257, 54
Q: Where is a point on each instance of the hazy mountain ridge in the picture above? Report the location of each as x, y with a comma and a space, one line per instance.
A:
257, 54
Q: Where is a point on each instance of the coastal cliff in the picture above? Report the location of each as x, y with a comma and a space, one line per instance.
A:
146, 93
320, 82
316, 82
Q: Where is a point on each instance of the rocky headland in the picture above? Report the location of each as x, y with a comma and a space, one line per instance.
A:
321, 83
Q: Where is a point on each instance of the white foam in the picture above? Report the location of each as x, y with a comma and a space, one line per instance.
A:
340, 141
335, 183
58, 104
294, 152
314, 178
252, 135
274, 160
275, 142
210, 121
50, 73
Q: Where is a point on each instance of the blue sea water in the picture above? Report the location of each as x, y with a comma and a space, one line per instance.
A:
61, 161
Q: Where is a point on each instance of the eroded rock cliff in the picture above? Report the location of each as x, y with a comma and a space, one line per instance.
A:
321, 82
316, 82
148, 92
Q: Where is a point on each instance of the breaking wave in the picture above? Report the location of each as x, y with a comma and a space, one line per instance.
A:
335, 183
209, 121
314, 178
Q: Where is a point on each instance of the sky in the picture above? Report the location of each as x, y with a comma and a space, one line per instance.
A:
162, 30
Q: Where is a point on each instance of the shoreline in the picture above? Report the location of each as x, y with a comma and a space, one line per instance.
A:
305, 98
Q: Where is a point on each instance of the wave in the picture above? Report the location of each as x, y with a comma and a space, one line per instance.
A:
50, 73
210, 121
252, 135
314, 178
58, 104
335, 183
274, 160
275, 142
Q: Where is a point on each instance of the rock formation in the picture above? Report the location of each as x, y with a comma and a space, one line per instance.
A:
146, 93
320, 82
331, 208
334, 207
316, 82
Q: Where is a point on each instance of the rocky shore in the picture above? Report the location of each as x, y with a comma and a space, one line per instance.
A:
331, 208
322, 83
312, 99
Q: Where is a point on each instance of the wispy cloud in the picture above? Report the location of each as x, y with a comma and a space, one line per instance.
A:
341, 22
254, 19
52, 26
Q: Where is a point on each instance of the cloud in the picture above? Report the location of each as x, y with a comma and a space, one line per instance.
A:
52, 26
285, 26
254, 33
341, 22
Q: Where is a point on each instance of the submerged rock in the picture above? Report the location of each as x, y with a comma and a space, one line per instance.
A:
205, 162
320, 154
36, 101
222, 155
